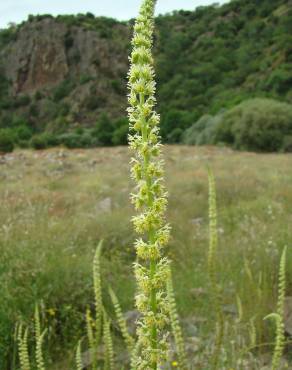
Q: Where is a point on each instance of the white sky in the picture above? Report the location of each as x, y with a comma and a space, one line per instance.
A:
18, 10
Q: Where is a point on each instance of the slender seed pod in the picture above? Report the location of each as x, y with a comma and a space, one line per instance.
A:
279, 315
212, 269
97, 292
39, 340
135, 356
150, 198
175, 325
78, 357
109, 352
91, 339
121, 321
23, 348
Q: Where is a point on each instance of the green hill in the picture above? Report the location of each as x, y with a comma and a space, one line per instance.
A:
66, 76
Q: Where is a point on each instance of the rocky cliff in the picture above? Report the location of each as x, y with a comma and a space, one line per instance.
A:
64, 72
52, 63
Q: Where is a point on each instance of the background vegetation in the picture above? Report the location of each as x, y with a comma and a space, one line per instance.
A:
208, 61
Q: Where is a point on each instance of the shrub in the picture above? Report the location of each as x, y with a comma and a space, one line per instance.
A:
93, 102
17, 121
63, 109
287, 144
24, 144
38, 95
203, 131
85, 78
52, 139
174, 119
22, 101
120, 134
77, 139
118, 86
175, 136
103, 130
43, 141
256, 124
68, 41
86, 140
70, 140
6, 102
207, 136
23, 133
63, 90
34, 110
6, 141
38, 142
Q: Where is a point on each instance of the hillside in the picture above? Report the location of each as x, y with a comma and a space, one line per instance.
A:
67, 75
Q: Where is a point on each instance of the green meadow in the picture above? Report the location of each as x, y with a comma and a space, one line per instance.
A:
56, 205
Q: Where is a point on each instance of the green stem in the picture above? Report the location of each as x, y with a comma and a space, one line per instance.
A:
153, 305
151, 237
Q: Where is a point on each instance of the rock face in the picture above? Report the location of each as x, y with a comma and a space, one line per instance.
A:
87, 68
48, 51
38, 57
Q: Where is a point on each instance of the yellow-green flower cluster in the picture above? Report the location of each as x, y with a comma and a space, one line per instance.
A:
150, 197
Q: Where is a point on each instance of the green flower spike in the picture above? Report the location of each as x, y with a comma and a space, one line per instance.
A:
150, 197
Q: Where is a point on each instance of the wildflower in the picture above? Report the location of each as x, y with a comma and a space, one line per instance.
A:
174, 363
51, 311
150, 197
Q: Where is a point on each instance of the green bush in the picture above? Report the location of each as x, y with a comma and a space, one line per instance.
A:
120, 134
38, 142
6, 141
287, 144
85, 78
203, 131
23, 144
93, 102
256, 124
70, 140
63, 90
43, 141
175, 136
174, 119
23, 133
77, 139
22, 101
118, 86
86, 140
103, 131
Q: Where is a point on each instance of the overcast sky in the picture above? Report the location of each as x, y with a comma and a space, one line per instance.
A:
18, 10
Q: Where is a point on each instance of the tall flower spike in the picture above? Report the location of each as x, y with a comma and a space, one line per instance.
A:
150, 197
212, 269
39, 336
279, 315
23, 348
